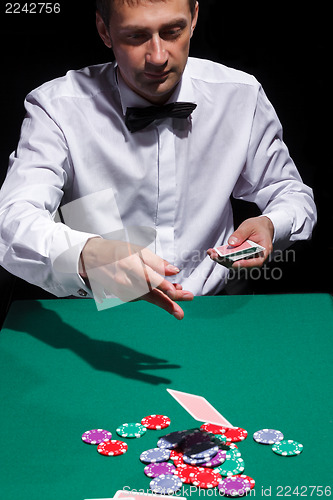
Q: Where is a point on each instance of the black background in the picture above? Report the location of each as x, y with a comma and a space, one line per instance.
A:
285, 47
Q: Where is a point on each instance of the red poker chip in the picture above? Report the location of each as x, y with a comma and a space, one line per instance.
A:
177, 457
112, 447
156, 422
215, 429
235, 434
206, 478
185, 473
249, 479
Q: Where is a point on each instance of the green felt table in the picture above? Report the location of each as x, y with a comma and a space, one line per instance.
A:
261, 361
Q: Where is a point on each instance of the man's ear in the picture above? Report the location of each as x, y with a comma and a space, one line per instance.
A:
103, 30
195, 18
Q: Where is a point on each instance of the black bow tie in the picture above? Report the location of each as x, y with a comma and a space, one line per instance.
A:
139, 118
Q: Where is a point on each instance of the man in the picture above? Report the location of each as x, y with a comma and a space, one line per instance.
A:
81, 149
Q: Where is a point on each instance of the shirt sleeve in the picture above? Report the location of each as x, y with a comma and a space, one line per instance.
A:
33, 245
271, 180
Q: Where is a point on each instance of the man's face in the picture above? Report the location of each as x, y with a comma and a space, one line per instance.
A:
150, 41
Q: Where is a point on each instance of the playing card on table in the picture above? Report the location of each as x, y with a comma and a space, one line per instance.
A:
199, 408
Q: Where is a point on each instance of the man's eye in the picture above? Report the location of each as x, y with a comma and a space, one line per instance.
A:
137, 37
172, 33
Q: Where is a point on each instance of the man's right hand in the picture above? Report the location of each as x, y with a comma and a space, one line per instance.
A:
131, 272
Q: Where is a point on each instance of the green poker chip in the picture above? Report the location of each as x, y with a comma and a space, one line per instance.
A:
131, 430
233, 453
231, 466
287, 448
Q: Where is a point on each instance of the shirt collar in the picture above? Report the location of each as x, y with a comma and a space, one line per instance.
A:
182, 93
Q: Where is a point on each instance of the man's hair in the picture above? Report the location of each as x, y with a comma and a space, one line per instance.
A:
104, 7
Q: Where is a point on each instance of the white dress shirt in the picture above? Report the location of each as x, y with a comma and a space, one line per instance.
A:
175, 176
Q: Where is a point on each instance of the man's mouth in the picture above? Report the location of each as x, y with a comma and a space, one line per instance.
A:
156, 76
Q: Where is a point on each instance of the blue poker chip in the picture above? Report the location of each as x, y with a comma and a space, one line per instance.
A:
193, 461
155, 455
166, 484
268, 436
171, 440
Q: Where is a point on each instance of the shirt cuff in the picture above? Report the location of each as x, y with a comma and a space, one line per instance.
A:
65, 264
283, 224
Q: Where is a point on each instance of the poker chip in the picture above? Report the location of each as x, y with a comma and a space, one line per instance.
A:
233, 453
206, 478
193, 461
217, 460
231, 466
96, 436
112, 447
234, 486
249, 479
177, 457
156, 422
235, 434
171, 440
155, 455
268, 436
287, 448
131, 430
156, 469
185, 473
213, 428
166, 484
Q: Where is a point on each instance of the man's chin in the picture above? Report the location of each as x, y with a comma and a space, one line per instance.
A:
158, 91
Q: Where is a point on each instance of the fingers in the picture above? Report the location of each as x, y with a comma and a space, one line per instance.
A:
131, 272
161, 266
161, 300
179, 295
212, 253
238, 237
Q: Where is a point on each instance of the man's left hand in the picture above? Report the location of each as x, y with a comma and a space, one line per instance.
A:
257, 229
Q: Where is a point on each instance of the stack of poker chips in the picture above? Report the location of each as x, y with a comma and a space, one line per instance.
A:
206, 458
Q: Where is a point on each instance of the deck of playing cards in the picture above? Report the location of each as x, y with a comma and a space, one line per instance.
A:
227, 254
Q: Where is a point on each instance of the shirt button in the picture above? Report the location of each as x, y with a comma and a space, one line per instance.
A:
82, 292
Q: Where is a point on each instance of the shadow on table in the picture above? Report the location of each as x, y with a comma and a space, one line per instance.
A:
48, 327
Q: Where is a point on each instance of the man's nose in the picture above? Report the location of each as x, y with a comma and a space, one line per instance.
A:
156, 53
